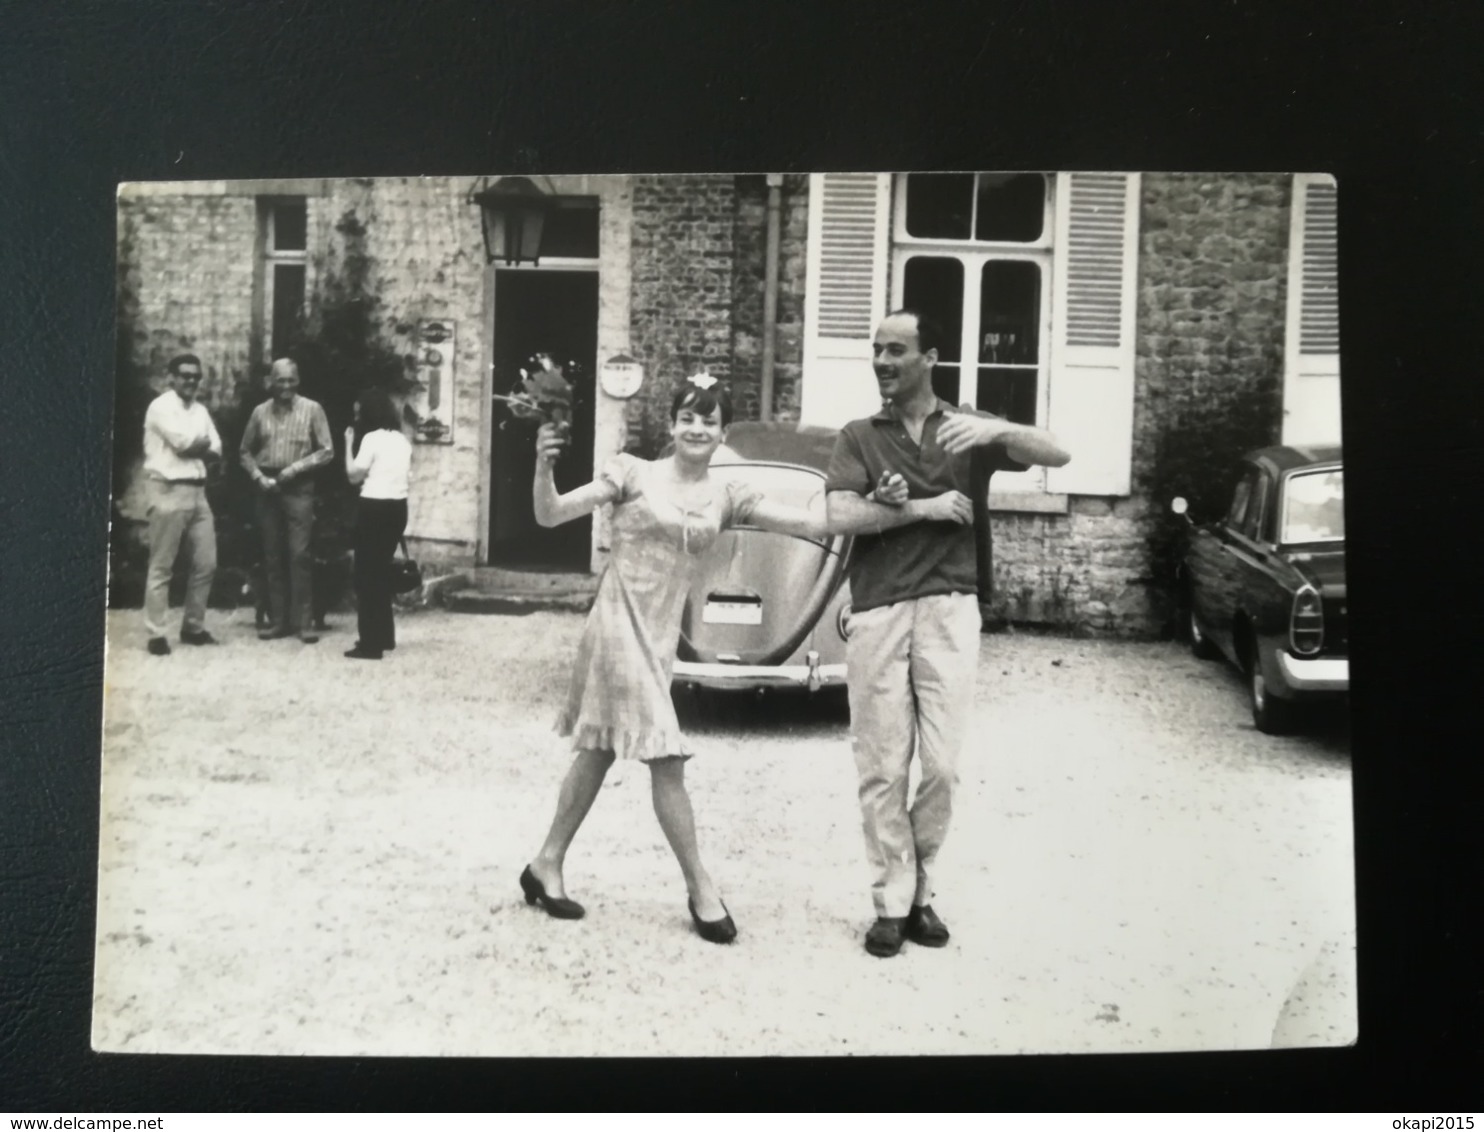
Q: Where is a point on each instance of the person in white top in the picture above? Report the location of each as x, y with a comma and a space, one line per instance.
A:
381, 468
178, 436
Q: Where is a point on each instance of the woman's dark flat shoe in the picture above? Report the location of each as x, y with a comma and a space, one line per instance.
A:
558, 906
713, 931
360, 653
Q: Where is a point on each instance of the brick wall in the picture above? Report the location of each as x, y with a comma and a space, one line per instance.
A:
1209, 365
413, 250
681, 279
1212, 295
406, 248
683, 256
189, 285
749, 273
185, 284
699, 247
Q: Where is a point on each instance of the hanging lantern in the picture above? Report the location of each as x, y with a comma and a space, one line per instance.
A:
512, 215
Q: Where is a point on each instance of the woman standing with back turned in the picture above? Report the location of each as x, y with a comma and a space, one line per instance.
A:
666, 514
381, 469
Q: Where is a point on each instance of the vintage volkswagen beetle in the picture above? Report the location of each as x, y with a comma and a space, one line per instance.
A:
769, 610
1265, 584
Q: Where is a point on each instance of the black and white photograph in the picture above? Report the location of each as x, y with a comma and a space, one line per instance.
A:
711, 614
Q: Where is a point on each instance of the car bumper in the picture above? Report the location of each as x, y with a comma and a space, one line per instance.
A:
759, 675
1322, 674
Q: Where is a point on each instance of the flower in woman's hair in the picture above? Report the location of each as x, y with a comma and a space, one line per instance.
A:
702, 380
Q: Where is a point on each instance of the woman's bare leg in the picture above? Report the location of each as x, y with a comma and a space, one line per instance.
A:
579, 789
672, 807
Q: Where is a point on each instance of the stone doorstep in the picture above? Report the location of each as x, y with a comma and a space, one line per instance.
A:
476, 601
491, 589
498, 579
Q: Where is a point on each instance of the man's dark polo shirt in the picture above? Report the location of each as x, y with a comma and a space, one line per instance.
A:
922, 558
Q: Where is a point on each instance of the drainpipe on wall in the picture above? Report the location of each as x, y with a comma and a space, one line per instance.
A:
770, 297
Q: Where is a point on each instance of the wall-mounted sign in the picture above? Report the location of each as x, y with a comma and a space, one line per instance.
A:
621, 376
432, 399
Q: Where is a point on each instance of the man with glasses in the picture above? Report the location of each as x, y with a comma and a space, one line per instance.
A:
178, 436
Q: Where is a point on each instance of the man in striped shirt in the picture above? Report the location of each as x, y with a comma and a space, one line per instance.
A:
286, 438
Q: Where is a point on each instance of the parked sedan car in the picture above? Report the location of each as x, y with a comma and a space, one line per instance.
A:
769, 610
1265, 584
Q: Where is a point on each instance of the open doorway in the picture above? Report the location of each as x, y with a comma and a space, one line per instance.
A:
541, 311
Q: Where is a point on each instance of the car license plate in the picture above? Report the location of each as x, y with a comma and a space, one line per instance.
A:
733, 611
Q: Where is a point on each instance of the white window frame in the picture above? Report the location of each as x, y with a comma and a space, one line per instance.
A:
274, 257
973, 255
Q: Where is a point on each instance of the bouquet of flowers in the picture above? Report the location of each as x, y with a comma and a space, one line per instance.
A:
543, 394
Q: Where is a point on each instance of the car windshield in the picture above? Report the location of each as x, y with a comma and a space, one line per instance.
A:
1314, 507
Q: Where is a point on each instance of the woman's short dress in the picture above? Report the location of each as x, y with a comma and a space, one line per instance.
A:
619, 699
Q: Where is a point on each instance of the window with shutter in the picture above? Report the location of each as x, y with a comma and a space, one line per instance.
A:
1094, 260
1311, 370
1092, 350
973, 252
283, 225
845, 294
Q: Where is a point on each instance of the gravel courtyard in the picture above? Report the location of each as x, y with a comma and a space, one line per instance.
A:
302, 854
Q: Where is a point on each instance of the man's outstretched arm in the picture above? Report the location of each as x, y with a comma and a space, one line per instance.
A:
967, 429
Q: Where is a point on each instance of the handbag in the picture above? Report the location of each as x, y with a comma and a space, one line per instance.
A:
406, 574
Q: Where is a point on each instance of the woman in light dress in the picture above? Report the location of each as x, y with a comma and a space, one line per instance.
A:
666, 514
380, 468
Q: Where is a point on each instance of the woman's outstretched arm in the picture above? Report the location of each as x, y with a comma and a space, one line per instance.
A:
891, 491
789, 520
553, 509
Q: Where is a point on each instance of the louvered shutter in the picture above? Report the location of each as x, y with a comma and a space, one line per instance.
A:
1092, 331
1311, 369
845, 295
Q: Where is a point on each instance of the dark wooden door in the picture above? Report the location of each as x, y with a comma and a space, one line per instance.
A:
553, 312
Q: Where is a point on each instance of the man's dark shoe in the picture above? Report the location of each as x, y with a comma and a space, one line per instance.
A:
159, 646
196, 637
309, 638
885, 937
269, 633
924, 928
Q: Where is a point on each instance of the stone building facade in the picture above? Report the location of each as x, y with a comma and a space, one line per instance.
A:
1208, 368
1162, 324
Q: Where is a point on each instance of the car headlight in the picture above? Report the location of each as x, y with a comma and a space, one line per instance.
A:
842, 622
